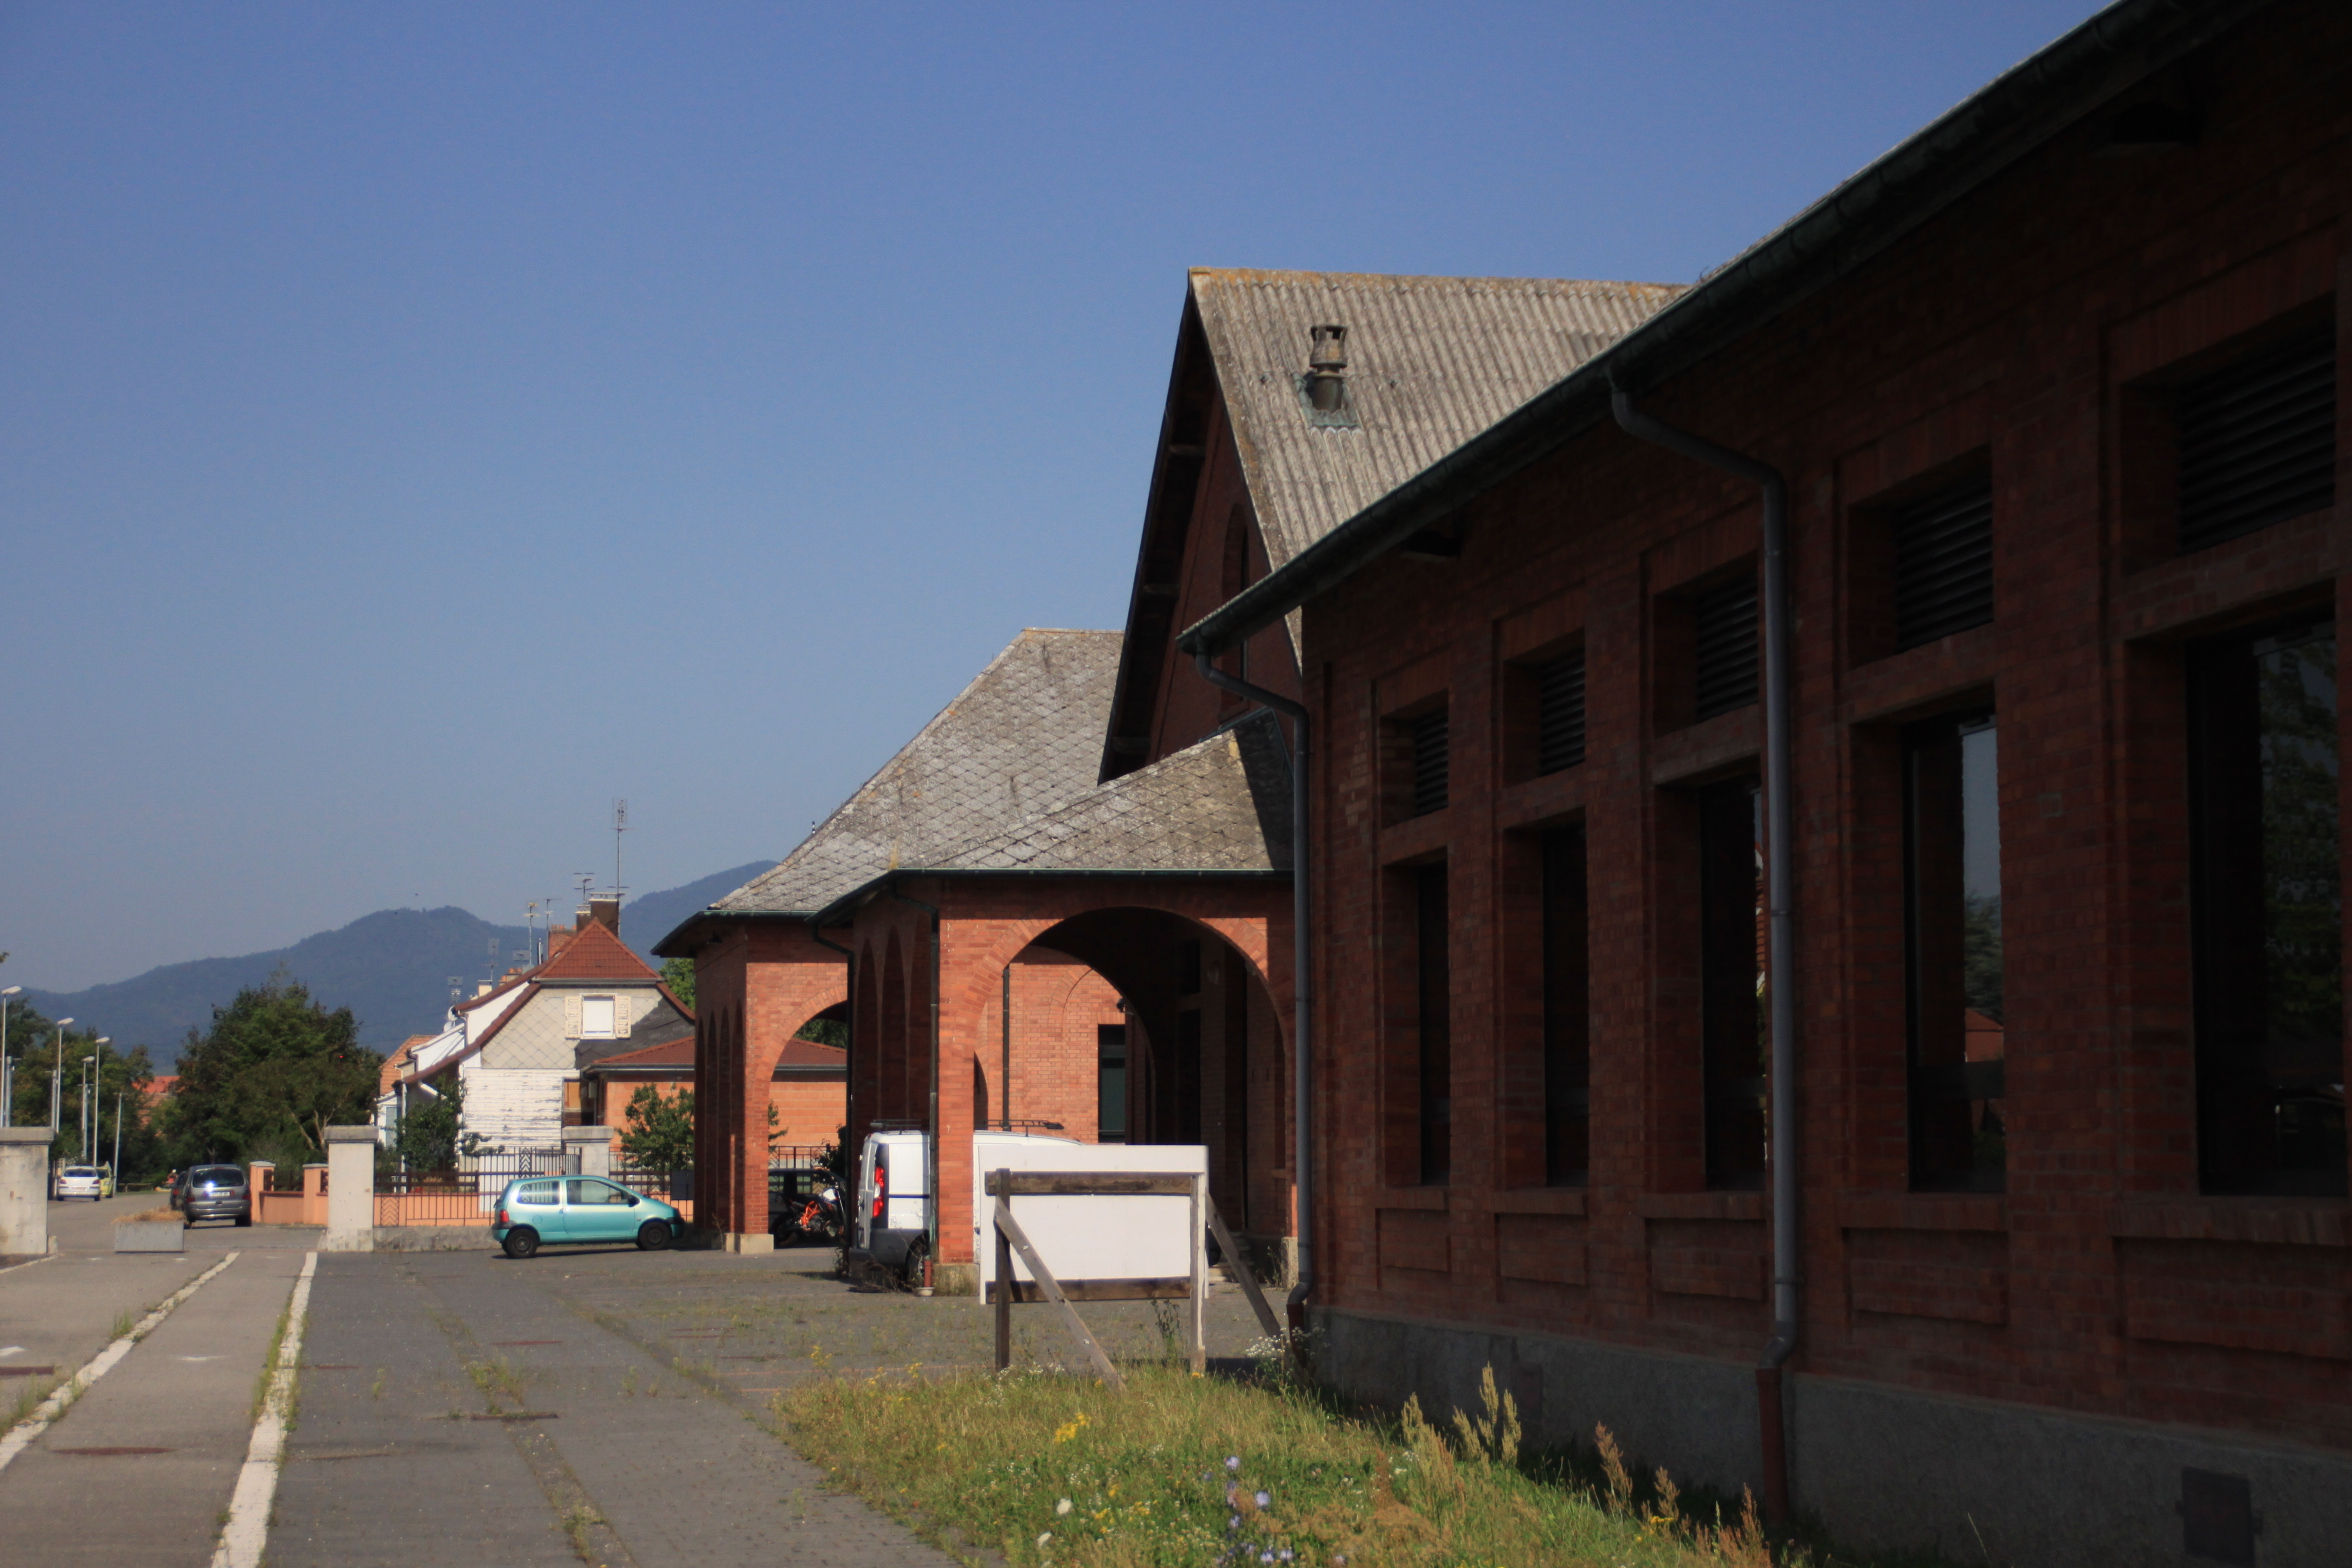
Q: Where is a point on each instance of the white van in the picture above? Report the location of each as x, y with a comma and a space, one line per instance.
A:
890, 1221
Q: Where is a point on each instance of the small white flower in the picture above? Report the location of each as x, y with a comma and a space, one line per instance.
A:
1042, 1538
1062, 1507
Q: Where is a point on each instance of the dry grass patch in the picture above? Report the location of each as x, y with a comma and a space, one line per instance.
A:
1056, 1470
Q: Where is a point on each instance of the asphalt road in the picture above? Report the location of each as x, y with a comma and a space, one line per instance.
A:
600, 1405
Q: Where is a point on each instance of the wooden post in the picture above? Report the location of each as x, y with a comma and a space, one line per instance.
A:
1241, 1272
1004, 1271
1198, 1349
1010, 1228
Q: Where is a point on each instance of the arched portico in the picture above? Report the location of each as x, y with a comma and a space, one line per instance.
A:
1193, 969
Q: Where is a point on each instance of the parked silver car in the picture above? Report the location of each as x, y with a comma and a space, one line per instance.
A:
214, 1192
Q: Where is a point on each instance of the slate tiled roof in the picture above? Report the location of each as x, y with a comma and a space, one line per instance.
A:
1221, 804
1431, 362
1025, 736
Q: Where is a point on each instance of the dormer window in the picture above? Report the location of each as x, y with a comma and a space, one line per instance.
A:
599, 1018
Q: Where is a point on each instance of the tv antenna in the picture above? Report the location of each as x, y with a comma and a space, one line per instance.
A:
620, 826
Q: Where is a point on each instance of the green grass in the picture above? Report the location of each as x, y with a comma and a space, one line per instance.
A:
1054, 1469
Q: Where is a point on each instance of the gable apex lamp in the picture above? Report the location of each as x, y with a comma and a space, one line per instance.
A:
7, 1066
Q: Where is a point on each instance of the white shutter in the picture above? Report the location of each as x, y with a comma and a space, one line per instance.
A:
572, 1015
623, 1007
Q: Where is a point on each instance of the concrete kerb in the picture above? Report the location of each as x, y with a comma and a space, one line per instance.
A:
245, 1532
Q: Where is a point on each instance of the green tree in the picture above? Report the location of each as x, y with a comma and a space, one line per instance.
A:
427, 1136
117, 1084
678, 975
275, 1070
659, 1135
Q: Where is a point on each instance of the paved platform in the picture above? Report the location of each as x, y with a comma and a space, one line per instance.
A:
597, 1405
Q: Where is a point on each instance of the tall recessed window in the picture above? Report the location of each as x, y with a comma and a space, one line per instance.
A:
1723, 624
1731, 955
1110, 1082
1559, 712
2257, 440
1952, 930
1434, 998
2267, 913
1567, 1087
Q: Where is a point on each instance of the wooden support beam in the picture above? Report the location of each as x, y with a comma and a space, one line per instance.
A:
1010, 1229
1239, 1264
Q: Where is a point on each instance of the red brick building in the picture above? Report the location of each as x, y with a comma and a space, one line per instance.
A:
1092, 826
2051, 394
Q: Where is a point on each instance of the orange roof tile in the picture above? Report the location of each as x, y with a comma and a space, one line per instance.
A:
594, 954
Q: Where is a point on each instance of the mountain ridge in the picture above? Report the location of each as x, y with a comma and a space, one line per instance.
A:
395, 969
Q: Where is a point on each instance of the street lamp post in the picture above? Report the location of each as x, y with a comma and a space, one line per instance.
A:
87, 1122
7, 1063
57, 1077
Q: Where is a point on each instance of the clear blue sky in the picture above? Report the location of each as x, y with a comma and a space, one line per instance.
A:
420, 424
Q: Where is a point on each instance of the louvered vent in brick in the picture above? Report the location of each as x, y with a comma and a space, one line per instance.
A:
1944, 562
1429, 762
1559, 712
1725, 622
2258, 441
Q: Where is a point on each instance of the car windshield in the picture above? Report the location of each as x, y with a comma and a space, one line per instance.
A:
216, 1176
81, 1170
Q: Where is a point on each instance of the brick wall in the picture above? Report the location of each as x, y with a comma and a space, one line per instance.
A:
2100, 1281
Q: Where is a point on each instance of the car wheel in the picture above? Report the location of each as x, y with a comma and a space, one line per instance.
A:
244, 1219
652, 1236
911, 1271
521, 1242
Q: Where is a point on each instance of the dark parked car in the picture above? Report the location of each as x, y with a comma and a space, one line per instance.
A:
213, 1192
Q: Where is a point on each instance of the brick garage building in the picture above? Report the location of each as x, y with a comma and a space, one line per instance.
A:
2052, 389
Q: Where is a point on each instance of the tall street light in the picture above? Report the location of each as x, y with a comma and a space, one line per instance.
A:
57, 1078
87, 1122
7, 1063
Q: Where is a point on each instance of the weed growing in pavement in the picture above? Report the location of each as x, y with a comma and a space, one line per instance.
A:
122, 1326
578, 1520
499, 1382
376, 1389
629, 1383
1055, 1469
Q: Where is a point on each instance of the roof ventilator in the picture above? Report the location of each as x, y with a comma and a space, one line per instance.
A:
1323, 390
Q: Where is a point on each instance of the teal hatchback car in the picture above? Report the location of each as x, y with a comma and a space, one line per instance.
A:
542, 1211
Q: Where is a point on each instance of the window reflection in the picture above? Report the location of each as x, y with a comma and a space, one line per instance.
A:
1959, 1048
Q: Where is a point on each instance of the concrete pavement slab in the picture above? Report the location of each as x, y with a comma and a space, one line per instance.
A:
142, 1466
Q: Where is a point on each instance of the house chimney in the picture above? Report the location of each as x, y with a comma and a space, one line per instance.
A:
1327, 369
605, 911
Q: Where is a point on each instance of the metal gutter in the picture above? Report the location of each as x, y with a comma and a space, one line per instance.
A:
1302, 987
1780, 926
832, 913
2009, 117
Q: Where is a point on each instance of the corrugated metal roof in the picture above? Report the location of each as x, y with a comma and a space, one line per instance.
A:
1431, 362
1024, 737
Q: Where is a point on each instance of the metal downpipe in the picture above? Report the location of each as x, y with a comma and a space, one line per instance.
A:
938, 1187
1302, 984
1780, 902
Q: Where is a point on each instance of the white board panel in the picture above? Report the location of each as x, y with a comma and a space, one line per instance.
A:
1089, 1238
